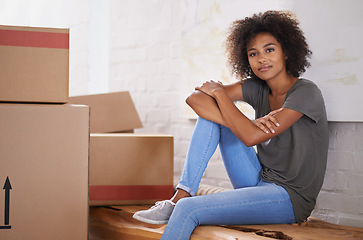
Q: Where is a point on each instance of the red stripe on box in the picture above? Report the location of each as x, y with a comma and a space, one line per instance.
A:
34, 39
137, 192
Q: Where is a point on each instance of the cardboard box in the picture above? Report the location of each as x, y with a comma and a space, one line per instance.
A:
44, 171
110, 112
34, 64
130, 168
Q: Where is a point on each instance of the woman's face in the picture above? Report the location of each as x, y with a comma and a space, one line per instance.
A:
266, 57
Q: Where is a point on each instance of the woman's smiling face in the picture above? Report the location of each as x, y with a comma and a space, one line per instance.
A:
266, 57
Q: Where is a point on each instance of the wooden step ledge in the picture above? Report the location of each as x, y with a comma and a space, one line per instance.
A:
116, 223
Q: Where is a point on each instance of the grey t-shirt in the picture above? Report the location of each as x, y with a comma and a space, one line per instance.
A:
296, 158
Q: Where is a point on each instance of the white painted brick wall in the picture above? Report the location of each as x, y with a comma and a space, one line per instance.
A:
341, 198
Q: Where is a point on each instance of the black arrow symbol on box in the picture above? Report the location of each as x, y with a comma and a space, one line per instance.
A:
7, 187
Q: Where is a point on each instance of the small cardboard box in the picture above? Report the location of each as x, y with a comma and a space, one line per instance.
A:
44, 171
34, 64
130, 168
110, 112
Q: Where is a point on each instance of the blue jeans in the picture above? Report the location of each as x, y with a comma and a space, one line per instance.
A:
253, 201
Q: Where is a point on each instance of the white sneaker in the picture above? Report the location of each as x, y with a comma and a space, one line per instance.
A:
157, 214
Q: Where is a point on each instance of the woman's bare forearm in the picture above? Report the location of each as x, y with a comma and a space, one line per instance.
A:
205, 106
244, 128
217, 106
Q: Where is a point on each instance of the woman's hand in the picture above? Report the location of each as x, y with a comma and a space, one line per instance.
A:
210, 87
268, 122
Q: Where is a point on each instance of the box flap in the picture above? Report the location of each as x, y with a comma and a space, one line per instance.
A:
110, 112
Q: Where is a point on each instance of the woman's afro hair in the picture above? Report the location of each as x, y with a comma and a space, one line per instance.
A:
282, 26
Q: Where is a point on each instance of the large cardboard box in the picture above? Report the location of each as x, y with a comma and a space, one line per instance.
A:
34, 64
130, 168
44, 171
110, 112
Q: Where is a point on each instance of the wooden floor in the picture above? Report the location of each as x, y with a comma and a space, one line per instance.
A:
116, 223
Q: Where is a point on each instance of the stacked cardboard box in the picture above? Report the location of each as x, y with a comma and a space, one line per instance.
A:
34, 64
125, 168
43, 140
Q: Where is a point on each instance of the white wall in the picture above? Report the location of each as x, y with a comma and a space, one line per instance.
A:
145, 47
